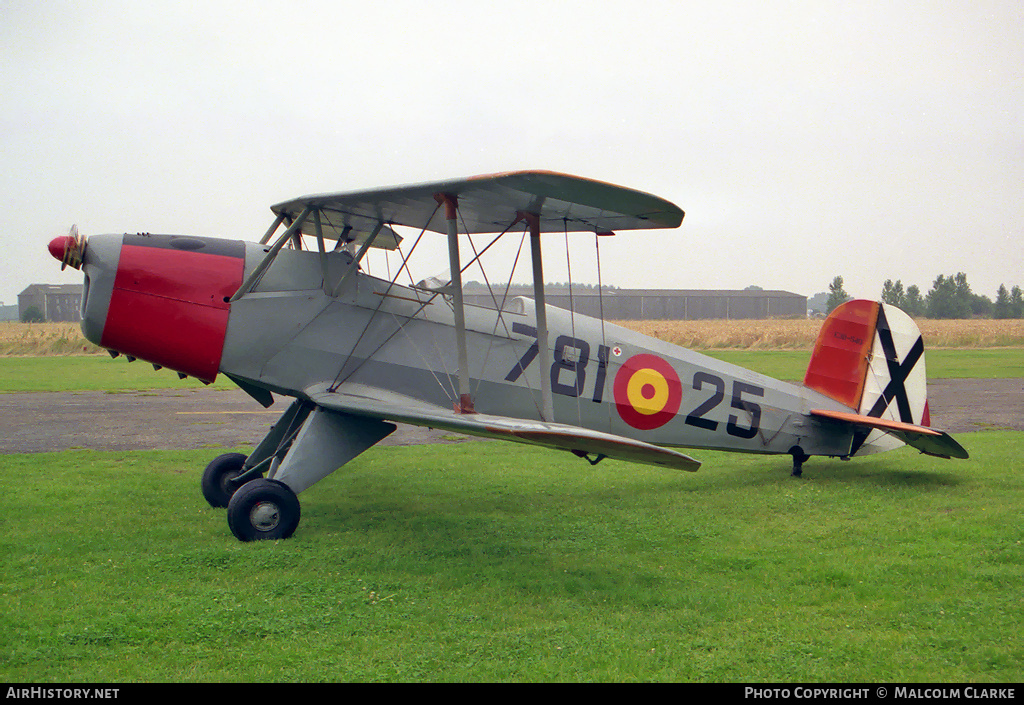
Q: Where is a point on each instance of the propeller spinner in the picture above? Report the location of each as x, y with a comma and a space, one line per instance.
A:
69, 249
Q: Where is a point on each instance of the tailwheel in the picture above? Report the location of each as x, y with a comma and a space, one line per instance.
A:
799, 458
263, 510
217, 482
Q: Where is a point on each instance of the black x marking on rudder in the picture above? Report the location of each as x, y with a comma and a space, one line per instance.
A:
898, 372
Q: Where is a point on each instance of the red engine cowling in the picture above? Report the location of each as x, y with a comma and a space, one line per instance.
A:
170, 305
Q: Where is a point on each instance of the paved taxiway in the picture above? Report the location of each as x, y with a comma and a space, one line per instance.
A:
207, 418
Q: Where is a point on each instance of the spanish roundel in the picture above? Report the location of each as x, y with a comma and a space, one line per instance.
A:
647, 392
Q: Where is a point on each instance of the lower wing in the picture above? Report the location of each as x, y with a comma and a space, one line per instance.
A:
363, 400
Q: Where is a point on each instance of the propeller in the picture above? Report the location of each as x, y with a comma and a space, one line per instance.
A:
69, 249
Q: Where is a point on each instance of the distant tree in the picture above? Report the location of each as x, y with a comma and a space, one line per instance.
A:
1001, 309
754, 287
32, 314
893, 293
1016, 303
981, 306
836, 295
939, 300
977, 304
913, 304
948, 297
960, 286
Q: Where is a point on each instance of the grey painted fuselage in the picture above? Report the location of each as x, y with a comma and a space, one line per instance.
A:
288, 335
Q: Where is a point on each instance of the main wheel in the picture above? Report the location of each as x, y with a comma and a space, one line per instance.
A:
216, 483
263, 509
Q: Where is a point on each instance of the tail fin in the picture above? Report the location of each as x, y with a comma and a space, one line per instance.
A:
870, 357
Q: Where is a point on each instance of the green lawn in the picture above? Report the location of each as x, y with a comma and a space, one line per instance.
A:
988, 363
487, 561
78, 373
83, 372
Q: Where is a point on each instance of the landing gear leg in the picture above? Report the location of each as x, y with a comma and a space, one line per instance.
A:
226, 473
304, 447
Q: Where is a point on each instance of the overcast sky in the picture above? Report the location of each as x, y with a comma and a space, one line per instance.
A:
803, 139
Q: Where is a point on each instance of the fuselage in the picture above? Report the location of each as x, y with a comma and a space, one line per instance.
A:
165, 299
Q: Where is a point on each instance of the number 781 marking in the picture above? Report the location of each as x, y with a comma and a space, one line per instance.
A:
568, 369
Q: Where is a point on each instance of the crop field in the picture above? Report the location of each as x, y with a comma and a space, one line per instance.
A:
470, 563
44, 339
800, 334
775, 334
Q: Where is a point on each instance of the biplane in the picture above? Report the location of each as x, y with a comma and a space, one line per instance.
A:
357, 354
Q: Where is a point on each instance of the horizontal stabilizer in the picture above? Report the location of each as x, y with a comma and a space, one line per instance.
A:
382, 404
927, 440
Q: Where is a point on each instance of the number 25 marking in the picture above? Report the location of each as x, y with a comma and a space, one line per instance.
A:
733, 427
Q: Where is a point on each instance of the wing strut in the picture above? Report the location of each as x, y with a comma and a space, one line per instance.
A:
451, 205
323, 250
273, 228
253, 278
543, 349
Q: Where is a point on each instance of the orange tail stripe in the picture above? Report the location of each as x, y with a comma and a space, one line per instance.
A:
840, 360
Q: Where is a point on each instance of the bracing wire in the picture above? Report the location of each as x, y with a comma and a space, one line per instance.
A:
499, 317
391, 283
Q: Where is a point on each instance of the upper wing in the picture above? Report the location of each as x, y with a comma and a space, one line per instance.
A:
490, 204
370, 401
927, 440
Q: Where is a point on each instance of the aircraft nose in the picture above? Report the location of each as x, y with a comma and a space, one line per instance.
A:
68, 249
59, 245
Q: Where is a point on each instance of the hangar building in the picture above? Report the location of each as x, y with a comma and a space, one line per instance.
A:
63, 302
661, 304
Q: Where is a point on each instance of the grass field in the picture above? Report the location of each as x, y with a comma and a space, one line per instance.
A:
101, 373
986, 363
67, 373
470, 563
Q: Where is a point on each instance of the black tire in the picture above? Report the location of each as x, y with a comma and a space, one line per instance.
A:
263, 510
217, 488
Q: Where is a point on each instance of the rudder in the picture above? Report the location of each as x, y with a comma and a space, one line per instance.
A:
841, 353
